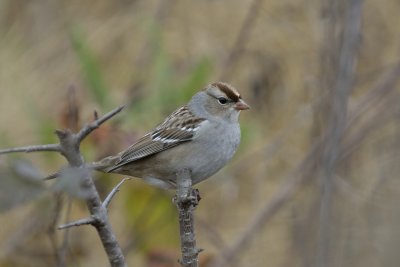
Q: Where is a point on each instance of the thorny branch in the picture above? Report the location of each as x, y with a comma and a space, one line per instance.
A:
69, 148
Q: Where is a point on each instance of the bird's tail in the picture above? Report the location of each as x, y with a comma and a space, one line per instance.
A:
103, 165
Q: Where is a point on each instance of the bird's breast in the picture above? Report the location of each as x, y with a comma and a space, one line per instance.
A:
213, 150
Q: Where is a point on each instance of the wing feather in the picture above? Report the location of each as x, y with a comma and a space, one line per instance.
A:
178, 128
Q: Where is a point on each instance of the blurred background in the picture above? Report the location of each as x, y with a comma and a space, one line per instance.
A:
315, 181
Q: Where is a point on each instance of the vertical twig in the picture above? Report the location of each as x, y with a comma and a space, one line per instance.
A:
337, 122
186, 200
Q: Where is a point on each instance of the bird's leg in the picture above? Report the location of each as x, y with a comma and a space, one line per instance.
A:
185, 194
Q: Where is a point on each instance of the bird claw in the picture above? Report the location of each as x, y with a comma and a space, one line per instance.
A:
192, 198
195, 194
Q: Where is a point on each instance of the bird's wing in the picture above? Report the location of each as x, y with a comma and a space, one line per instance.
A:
178, 128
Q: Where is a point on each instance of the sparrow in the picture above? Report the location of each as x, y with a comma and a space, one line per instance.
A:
201, 136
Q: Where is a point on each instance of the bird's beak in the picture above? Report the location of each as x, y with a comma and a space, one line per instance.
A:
241, 105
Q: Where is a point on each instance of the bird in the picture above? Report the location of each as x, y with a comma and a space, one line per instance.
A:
201, 136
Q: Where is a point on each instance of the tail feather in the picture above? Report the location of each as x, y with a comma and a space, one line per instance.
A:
103, 165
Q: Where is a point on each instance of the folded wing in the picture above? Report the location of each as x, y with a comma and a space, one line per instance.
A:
178, 128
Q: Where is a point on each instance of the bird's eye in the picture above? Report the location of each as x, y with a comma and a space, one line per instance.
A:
222, 100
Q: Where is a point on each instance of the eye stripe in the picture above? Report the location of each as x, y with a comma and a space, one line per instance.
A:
229, 91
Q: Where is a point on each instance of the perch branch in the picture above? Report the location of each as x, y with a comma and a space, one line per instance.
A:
28, 149
186, 200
